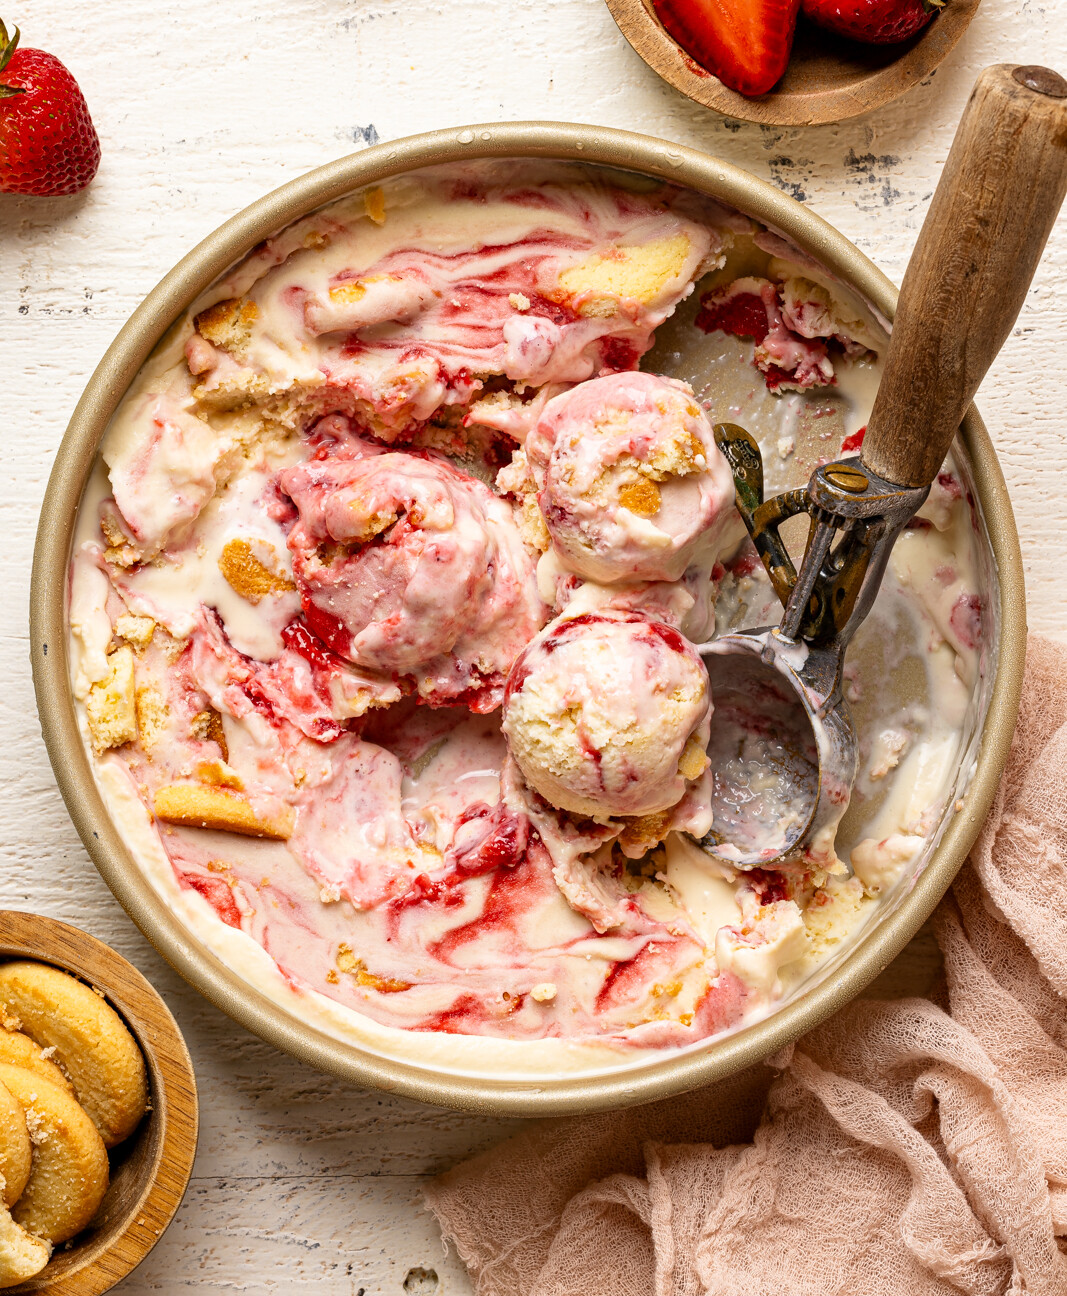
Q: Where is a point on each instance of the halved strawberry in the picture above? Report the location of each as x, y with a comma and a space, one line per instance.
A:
875, 22
745, 43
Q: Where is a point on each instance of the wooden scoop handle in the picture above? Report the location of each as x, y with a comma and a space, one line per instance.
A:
994, 208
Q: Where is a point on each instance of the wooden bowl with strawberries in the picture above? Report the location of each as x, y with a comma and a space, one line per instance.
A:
742, 58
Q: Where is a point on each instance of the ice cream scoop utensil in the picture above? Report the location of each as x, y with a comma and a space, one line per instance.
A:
783, 744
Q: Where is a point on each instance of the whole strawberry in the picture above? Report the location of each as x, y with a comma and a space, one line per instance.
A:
48, 145
875, 22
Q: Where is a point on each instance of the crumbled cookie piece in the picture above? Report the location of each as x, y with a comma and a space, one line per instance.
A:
694, 759
152, 713
351, 290
219, 774
641, 498
120, 548
678, 457
515, 479
111, 707
357, 969
532, 527
248, 575
136, 630
376, 523
207, 727
374, 203
644, 832
639, 273
196, 806
228, 324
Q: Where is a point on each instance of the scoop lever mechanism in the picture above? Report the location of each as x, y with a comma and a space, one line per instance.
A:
828, 598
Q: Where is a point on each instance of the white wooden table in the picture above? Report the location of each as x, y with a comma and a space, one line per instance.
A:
301, 1182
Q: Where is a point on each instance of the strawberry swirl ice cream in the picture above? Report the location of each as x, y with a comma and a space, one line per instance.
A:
632, 484
607, 715
450, 283
795, 326
406, 565
386, 602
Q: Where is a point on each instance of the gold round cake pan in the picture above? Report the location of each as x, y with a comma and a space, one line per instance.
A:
150, 1170
652, 1076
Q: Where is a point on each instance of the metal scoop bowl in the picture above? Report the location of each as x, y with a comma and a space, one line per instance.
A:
783, 745
781, 772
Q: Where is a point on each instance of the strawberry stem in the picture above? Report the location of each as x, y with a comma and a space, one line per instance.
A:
7, 45
7, 48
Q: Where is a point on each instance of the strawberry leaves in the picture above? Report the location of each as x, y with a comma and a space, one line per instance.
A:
7, 48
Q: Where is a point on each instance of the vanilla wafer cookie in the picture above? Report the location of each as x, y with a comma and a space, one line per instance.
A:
21, 1256
91, 1043
15, 1148
17, 1049
69, 1168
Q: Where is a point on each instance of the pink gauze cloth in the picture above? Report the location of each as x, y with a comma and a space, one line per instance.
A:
909, 1147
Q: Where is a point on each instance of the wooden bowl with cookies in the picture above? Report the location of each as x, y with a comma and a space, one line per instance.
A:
98, 1111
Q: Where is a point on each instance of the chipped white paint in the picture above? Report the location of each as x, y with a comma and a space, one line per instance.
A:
302, 1183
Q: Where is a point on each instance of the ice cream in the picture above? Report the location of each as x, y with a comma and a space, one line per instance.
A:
607, 715
402, 454
408, 566
632, 485
448, 283
796, 326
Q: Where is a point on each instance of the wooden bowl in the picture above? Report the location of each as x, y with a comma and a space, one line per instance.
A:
150, 1170
828, 79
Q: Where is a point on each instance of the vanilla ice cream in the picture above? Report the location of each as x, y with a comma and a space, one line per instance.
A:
607, 715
